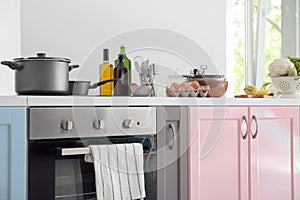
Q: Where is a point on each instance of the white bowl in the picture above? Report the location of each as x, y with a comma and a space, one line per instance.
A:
288, 85
140, 90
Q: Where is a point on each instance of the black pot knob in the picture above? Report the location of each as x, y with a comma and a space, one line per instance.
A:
41, 54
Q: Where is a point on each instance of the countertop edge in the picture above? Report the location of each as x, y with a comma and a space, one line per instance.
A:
155, 101
72, 101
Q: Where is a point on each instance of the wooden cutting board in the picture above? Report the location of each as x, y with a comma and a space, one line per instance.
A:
253, 96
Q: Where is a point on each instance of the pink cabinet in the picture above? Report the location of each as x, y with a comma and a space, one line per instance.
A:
274, 153
216, 152
243, 153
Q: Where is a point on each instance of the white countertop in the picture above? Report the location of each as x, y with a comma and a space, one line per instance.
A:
7, 101
140, 101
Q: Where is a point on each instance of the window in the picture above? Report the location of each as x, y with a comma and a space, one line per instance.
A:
259, 31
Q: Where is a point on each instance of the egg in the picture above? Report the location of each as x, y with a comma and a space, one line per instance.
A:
194, 84
185, 85
175, 85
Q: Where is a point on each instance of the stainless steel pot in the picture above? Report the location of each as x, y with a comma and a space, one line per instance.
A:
41, 75
81, 88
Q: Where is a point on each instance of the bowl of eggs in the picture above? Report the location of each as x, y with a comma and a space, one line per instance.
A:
187, 89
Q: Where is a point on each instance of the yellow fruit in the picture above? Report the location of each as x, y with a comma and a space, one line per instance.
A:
251, 90
263, 92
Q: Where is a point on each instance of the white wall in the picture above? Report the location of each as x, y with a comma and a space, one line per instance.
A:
78, 29
10, 41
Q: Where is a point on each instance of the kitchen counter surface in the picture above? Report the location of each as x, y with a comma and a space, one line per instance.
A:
140, 101
7, 101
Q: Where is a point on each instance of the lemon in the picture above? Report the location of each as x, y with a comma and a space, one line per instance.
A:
263, 92
250, 90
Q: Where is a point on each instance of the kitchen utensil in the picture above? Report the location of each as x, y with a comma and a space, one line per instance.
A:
81, 88
141, 66
147, 72
41, 75
145, 68
288, 85
138, 62
153, 68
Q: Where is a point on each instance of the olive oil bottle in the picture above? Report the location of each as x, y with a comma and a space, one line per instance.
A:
106, 73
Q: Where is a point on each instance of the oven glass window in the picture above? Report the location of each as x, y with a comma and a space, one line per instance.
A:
74, 179
52, 176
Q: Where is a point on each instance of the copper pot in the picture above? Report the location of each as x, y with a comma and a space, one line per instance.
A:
218, 84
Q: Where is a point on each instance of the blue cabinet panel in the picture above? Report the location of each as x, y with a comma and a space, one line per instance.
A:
4, 162
5, 116
13, 142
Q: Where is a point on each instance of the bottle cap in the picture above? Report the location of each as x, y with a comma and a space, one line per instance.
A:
105, 54
122, 46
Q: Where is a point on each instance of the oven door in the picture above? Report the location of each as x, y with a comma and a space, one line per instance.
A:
53, 176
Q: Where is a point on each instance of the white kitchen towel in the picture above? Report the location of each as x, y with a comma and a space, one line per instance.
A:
119, 171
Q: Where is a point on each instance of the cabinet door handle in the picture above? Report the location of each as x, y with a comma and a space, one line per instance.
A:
256, 127
244, 136
171, 145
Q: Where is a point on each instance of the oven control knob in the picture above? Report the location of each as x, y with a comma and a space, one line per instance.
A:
128, 123
99, 124
67, 125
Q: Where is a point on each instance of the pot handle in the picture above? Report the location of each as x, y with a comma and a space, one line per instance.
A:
12, 65
73, 67
95, 85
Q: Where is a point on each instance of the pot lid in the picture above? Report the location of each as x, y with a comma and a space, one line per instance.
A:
42, 56
200, 74
204, 76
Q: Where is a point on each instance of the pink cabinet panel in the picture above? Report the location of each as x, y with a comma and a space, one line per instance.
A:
244, 153
272, 150
217, 153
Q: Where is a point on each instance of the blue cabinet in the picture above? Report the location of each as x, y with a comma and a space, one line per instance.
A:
13, 142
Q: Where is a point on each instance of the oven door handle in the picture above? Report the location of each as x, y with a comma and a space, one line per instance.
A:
171, 145
75, 151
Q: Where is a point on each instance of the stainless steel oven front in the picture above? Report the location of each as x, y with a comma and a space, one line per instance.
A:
58, 137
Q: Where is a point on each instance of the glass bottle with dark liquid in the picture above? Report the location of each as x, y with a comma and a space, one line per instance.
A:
126, 62
121, 76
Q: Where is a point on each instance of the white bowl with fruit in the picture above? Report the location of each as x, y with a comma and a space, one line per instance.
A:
284, 73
